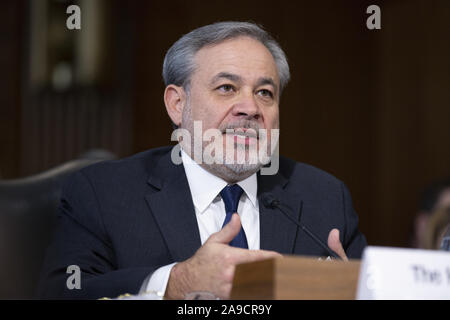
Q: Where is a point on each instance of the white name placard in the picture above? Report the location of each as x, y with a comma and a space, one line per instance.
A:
396, 273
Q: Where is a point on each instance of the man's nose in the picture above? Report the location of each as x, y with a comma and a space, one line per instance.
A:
247, 108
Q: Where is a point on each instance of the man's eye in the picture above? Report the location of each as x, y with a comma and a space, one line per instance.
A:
265, 93
226, 88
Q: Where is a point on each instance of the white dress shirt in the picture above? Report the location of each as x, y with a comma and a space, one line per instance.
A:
210, 213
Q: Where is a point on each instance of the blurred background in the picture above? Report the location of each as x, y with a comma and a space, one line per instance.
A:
372, 107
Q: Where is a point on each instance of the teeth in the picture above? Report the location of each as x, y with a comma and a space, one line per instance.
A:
240, 134
246, 133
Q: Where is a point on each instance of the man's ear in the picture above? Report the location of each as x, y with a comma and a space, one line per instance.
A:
175, 99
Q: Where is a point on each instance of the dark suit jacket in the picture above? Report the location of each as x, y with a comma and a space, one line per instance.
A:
121, 220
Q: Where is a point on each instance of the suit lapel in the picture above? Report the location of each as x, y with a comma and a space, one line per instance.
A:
171, 204
172, 207
277, 232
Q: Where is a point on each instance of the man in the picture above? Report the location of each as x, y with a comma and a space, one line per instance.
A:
148, 224
434, 197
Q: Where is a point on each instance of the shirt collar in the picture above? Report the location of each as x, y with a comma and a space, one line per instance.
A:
205, 186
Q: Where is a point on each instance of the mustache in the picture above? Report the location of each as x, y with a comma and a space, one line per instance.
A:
244, 128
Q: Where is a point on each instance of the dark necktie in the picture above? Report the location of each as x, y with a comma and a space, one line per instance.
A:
231, 195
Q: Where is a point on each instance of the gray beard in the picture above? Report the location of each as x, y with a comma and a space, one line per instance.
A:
230, 172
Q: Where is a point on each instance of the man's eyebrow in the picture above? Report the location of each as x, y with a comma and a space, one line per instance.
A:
226, 75
236, 78
269, 81
264, 81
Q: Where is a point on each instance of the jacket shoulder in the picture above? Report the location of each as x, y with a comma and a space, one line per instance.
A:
137, 165
306, 174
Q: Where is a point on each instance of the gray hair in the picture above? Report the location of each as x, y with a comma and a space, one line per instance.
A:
179, 60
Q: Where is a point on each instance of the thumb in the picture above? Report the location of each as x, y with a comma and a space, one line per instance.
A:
228, 232
335, 244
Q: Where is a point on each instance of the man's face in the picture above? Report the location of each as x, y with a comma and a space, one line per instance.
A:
235, 86
443, 199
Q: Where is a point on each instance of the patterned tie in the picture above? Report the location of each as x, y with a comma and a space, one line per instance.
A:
231, 195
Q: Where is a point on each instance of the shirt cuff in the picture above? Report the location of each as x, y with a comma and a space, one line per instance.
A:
157, 281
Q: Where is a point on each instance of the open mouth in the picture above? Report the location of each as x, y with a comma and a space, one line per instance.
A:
242, 135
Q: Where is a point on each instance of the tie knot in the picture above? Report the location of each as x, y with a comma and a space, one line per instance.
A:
231, 195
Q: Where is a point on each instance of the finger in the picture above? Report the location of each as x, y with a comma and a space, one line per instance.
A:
244, 255
228, 232
335, 244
